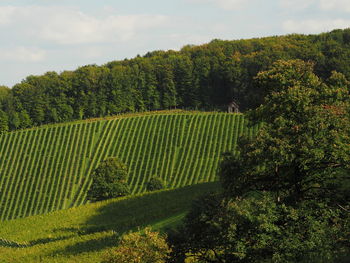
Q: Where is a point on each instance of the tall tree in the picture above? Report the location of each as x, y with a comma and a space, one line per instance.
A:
302, 150
4, 126
32, 99
167, 86
4, 93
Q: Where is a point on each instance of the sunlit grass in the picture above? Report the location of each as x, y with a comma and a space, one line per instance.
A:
82, 234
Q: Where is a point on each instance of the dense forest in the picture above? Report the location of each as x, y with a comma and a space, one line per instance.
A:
204, 77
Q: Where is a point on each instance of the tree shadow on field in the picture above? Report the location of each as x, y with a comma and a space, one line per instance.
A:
130, 213
94, 244
40, 241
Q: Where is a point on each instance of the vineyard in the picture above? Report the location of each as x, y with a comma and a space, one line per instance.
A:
48, 168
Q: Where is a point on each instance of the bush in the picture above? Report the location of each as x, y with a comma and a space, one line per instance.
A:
109, 180
154, 184
145, 247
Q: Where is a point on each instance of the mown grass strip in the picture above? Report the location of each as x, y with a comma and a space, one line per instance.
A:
23, 175
16, 180
188, 148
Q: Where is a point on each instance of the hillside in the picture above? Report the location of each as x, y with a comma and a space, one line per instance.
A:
82, 234
47, 168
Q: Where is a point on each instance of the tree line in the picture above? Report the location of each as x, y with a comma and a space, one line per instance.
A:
205, 77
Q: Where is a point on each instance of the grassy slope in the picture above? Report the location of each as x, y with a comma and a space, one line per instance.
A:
47, 168
84, 233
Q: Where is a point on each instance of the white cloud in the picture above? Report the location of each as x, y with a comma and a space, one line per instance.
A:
22, 54
80, 28
296, 4
6, 12
326, 5
65, 25
224, 4
314, 26
338, 5
230, 4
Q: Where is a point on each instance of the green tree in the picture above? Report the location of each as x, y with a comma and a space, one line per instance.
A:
89, 91
55, 87
109, 180
259, 230
139, 247
32, 99
187, 93
4, 93
167, 86
151, 92
302, 150
14, 120
154, 184
25, 121
3, 122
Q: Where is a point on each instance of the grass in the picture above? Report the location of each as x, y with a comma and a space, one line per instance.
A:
83, 234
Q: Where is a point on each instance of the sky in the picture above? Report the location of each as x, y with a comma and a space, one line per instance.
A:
46, 35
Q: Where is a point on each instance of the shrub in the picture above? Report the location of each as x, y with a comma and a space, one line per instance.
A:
144, 247
109, 180
155, 183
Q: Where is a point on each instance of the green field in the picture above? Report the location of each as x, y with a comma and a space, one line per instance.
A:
47, 168
83, 234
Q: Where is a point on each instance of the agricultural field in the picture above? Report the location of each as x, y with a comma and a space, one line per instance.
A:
85, 233
48, 168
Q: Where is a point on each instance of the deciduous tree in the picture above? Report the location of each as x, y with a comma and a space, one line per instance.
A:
109, 180
146, 246
302, 150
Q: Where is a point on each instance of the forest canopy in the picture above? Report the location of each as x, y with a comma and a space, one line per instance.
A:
205, 77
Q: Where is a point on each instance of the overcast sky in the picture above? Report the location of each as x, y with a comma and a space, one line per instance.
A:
45, 35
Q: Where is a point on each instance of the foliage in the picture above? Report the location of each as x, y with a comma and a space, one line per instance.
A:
4, 93
203, 77
3, 122
154, 184
302, 150
261, 230
109, 180
140, 247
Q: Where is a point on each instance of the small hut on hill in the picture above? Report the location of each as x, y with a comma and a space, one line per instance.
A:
233, 107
